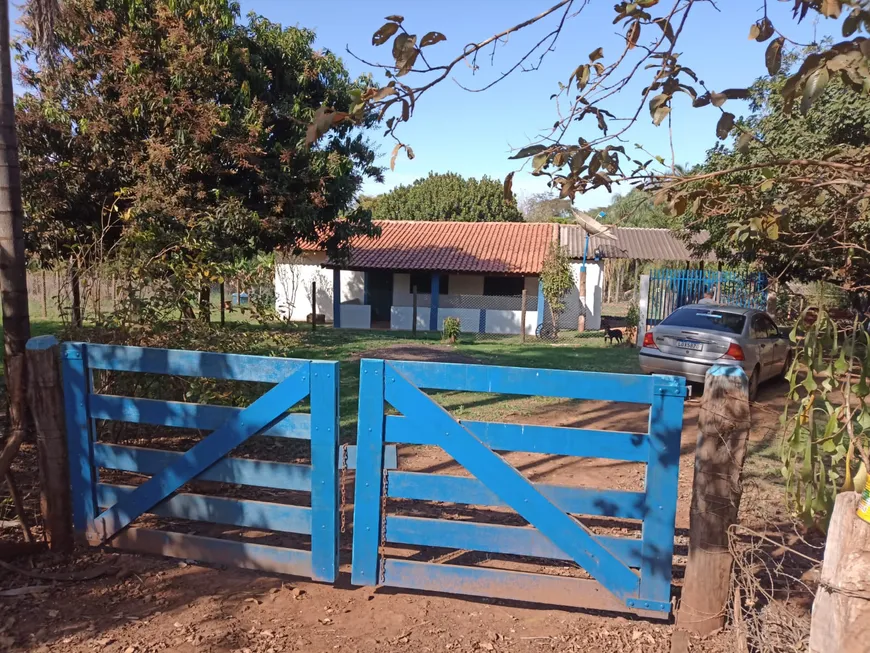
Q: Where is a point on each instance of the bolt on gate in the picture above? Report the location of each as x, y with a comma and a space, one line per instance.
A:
626, 573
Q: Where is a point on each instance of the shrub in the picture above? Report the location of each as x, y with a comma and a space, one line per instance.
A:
451, 329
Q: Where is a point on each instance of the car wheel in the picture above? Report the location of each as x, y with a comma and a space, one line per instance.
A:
754, 380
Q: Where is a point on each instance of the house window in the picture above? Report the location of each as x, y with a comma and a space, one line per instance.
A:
423, 282
503, 286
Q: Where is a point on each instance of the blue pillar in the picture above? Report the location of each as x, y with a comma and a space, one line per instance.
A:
541, 308
433, 305
336, 298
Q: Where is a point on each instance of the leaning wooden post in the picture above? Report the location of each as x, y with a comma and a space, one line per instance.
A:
841, 609
723, 426
523, 318
45, 395
414, 314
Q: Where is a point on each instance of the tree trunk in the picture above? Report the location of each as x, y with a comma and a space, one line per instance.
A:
205, 303
75, 283
13, 270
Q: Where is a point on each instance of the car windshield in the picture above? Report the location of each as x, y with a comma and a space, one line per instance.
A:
706, 319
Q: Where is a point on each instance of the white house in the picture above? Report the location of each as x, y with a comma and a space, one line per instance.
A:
474, 271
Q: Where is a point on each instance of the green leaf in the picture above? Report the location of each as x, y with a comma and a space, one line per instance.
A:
596, 54
814, 87
773, 55
383, 35
431, 38
531, 150
725, 125
841, 365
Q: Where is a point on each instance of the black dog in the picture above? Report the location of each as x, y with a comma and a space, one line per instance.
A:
613, 334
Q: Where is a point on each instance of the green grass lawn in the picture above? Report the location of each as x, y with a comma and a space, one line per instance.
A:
346, 346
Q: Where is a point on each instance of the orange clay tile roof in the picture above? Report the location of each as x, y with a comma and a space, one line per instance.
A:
476, 247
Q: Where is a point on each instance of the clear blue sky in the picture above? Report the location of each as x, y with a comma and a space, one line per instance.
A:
473, 133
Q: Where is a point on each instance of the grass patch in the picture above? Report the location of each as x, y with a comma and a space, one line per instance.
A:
345, 346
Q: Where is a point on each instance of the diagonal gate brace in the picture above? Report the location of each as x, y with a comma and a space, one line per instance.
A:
511, 486
257, 417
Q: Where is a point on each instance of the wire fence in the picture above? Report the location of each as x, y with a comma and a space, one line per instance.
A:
51, 296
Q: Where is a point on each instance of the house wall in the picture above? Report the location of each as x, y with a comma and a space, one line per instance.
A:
593, 295
293, 278
497, 321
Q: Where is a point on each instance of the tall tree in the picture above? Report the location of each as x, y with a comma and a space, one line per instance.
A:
182, 138
13, 263
448, 197
544, 207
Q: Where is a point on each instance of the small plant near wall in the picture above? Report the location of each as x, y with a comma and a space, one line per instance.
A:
451, 329
632, 318
557, 281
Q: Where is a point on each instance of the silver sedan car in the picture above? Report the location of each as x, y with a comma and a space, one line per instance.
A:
695, 337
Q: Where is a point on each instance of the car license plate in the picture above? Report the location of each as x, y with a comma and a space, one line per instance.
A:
688, 344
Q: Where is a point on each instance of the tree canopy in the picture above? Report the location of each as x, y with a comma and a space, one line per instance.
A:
636, 209
447, 197
544, 207
794, 230
178, 131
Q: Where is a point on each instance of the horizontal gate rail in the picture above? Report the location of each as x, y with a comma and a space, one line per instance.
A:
629, 573
630, 388
557, 440
470, 491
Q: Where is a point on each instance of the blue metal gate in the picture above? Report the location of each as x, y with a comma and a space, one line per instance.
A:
670, 289
104, 512
632, 574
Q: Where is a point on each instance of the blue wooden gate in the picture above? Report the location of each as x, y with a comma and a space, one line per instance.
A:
632, 574
104, 512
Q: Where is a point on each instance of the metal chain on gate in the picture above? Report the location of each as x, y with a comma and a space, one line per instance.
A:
343, 507
383, 534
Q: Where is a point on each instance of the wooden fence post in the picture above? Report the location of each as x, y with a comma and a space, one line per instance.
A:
523, 318
724, 425
44, 296
45, 394
223, 303
414, 314
313, 305
841, 609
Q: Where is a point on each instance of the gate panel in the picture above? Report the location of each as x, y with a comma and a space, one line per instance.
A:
631, 574
208, 460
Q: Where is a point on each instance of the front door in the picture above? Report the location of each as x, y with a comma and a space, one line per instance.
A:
380, 294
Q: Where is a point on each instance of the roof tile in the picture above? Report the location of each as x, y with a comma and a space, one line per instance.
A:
496, 247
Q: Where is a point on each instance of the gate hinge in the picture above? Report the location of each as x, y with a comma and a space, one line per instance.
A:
643, 604
670, 389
